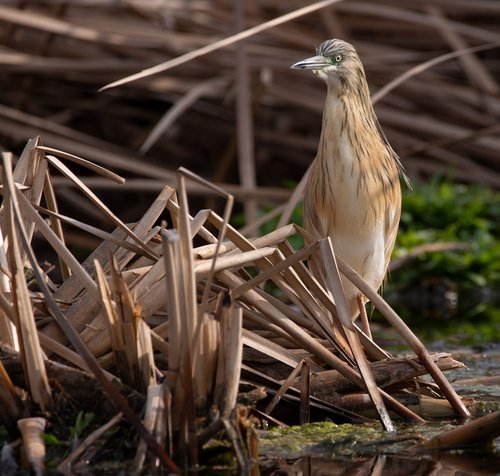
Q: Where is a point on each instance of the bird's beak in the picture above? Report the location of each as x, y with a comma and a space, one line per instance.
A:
315, 62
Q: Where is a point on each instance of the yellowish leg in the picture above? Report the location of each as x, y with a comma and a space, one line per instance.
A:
365, 325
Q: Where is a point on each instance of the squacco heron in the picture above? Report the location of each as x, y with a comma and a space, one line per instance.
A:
353, 193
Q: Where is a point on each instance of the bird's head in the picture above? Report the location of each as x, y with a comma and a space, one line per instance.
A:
336, 62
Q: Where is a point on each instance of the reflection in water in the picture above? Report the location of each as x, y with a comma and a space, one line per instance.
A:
435, 465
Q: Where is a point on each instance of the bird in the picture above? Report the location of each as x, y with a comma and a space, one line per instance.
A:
353, 191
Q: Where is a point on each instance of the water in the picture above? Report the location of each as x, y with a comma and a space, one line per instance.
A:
325, 448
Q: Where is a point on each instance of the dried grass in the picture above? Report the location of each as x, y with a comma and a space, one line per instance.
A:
432, 69
180, 301
164, 307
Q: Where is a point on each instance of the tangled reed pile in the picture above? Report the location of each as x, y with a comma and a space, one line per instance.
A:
175, 318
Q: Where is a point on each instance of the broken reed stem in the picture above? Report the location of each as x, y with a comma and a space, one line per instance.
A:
100, 205
406, 333
284, 387
334, 284
55, 222
481, 430
77, 342
8, 330
171, 256
222, 228
289, 283
65, 466
305, 393
253, 299
154, 422
59, 247
188, 304
229, 362
31, 351
34, 446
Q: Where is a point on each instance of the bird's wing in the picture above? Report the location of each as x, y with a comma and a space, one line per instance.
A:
392, 216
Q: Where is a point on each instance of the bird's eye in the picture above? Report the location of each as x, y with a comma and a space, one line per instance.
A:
335, 60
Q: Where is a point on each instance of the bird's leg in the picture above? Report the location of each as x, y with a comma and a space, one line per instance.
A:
365, 325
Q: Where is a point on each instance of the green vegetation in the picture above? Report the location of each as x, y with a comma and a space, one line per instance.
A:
82, 422
457, 288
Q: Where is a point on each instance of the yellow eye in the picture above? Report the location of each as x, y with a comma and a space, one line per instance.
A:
335, 60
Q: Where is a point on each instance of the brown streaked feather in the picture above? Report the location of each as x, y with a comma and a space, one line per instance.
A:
353, 192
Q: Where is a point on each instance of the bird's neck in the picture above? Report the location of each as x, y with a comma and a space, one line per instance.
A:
348, 118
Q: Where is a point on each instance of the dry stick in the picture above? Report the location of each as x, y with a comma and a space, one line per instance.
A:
67, 354
86, 145
317, 319
222, 228
208, 337
284, 387
270, 239
244, 119
21, 170
178, 108
82, 311
308, 342
407, 334
59, 247
229, 362
252, 228
171, 257
8, 331
104, 235
38, 21
267, 347
65, 466
263, 276
324, 298
84, 163
93, 198
126, 322
31, 351
388, 373
410, 16
372, 349
115, 396
382, 92
149, 291
31, 429
115, 328
153, 415
314, 309
223, 43
296, 197
189, 282
478, 75
55, 222
182, 300
482, 430
334, 283
255, 318
430, 146
244, 258
154, 184
35, 179
427, 248
305, 298
198, 221
305, 394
